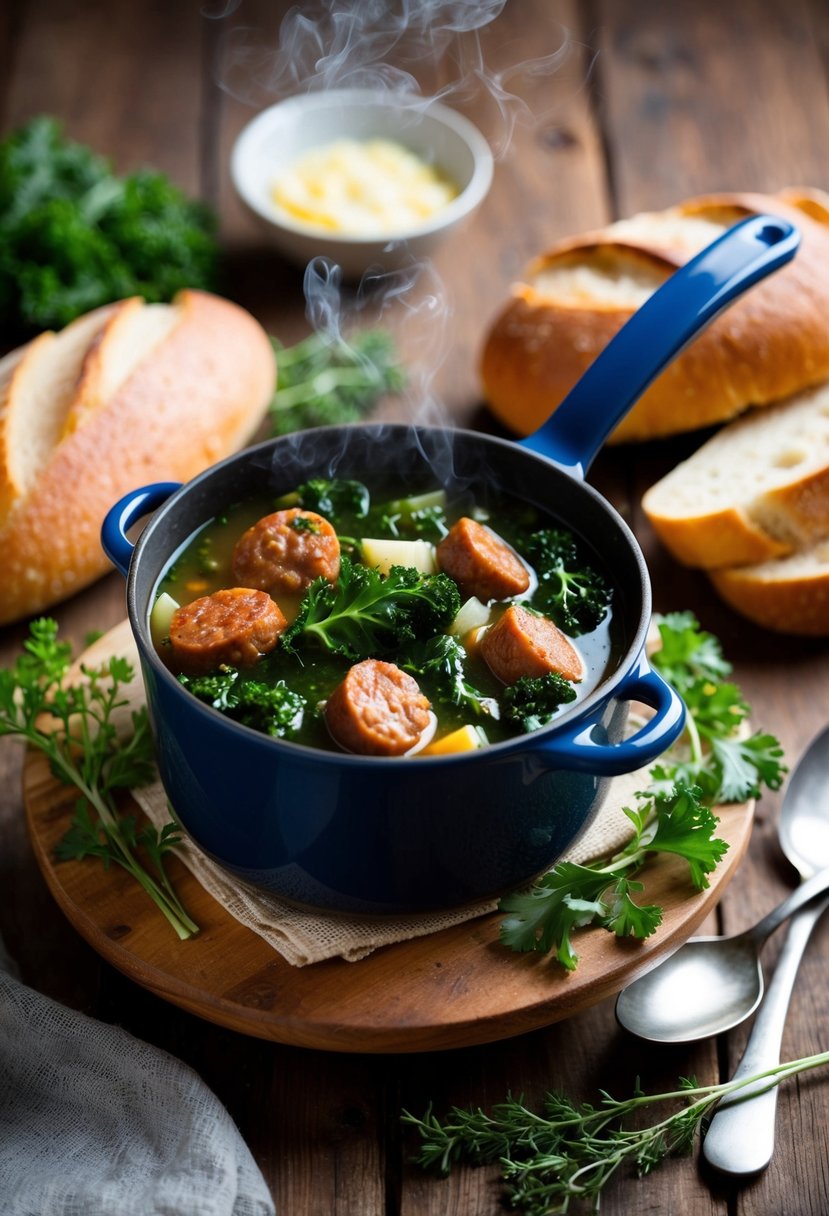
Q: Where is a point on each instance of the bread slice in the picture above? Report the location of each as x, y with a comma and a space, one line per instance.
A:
790, 595
757, 490
35, 394
158, 394
770, 344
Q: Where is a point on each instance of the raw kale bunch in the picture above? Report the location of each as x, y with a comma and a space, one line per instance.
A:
73, 236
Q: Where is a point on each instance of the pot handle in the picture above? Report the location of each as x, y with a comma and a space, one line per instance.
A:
656, 333
126, 512
584, 748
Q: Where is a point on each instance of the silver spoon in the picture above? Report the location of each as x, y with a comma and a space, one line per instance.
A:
711, 984
740, 1137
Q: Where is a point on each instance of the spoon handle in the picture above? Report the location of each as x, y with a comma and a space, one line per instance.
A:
801, 895
740, 1137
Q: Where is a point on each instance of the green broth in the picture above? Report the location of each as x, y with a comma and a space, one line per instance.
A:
204, 566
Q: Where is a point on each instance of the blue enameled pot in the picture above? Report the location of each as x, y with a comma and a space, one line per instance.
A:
374, 834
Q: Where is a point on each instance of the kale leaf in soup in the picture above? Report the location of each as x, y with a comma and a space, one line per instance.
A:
346, 619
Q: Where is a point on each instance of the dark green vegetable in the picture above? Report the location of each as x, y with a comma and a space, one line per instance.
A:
273, 709
570, 591
74, 726
325, 380
571, 896
74, 236
566, 1154
726, 766
444, 658
334, 497
366, 614
673, 815
532, 701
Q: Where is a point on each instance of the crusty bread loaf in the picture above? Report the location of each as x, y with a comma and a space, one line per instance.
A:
131, 394
771, 343
757, 490
789, 595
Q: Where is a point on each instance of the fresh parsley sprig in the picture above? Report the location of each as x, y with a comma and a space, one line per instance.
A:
714, 763
74, 725
717, 756
566, 1155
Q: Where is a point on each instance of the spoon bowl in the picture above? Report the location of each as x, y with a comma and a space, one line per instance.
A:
711, 984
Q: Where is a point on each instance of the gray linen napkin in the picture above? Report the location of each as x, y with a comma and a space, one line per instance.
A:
93, 1122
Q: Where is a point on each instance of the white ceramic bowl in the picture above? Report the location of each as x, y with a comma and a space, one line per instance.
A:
282, 133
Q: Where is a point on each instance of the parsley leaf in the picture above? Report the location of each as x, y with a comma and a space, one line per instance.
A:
713, 763
74, 726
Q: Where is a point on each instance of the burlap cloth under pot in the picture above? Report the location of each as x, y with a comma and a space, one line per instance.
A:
303, 937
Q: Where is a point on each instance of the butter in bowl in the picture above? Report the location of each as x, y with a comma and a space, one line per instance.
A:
367, 178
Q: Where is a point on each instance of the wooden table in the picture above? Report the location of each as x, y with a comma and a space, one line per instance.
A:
650, 103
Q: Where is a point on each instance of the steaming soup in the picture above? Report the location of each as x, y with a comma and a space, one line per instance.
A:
384, 626
374, 187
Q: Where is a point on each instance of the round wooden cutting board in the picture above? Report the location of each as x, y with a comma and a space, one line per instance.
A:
454, 988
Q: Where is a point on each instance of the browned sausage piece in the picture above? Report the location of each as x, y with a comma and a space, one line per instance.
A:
234, 626
481, 563
524, 644
377, 710
284, 552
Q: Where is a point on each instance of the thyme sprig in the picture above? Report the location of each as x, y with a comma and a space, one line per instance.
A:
568, 1154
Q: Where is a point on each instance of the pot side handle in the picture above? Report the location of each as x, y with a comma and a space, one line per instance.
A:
656, 333
585, 747
126, 512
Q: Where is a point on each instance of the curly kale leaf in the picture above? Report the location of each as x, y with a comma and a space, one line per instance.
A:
334, 497
73, 236
532, 701
273, 709
444, 659
364, 614
570, 591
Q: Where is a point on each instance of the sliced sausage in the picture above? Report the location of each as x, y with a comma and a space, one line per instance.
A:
481, 563
522, 643
377, 710
283, 553
235, 626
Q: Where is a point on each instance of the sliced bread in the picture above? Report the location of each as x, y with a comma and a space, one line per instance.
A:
136, 394
757, 490
574, 298
790, 595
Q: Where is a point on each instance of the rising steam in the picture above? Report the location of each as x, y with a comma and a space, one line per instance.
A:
392, 45
427, 49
